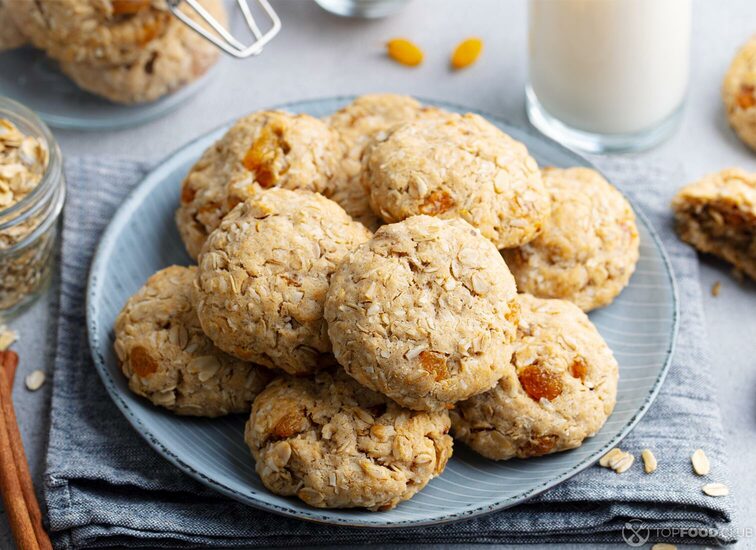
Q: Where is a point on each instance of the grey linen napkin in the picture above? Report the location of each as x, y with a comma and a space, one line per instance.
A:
105, 486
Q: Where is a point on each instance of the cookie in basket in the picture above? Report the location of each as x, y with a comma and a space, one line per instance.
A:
364, 119
717, 215
335, 444
264, 273
589, 245
424, 313
169, 360
451, 166
172, 59
262, 150
739, 93
558, 389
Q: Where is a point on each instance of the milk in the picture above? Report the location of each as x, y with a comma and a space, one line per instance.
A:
609, 66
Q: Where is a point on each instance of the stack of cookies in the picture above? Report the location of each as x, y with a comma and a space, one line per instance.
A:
128, 51
357, 287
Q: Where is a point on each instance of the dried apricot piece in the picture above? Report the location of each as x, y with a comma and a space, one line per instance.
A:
142, 362
746, 98
579, 368
287, 426
262, 155
129, 7
405, 52
435, 364
436, 203
466, 53
538, 383
187, 193
539, 445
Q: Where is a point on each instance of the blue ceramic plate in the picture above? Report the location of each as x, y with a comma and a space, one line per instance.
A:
640, 326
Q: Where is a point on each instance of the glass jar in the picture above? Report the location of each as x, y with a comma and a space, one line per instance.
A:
29, 228
608, 75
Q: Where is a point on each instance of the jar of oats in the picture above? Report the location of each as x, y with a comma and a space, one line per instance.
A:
32, 192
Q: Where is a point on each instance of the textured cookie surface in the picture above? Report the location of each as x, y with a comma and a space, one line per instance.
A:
559, 388
169, 360
589, 245
264, 273
96, 32
717, 215
335, 444
10, 35
424, 313
170, 60
366, 118
739, 93
263, 150
453, 166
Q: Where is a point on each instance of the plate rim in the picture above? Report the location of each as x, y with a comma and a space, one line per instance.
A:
155, 176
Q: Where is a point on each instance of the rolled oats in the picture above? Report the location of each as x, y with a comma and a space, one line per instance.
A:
716, 489
35, 380
649, 461
700, 462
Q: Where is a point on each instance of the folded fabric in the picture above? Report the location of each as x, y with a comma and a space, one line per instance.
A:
105, 486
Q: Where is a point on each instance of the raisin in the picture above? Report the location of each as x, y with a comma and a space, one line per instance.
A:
287, 426
437, 203
434, 364
579, 368
538, 383
466, 53
538, 445
142, 362
405, 52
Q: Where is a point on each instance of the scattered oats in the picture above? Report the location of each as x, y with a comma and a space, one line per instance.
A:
649, 461
716, 489
7, 337
624, 464
700, 462
604, 462
663, 546
716, 288
35, 380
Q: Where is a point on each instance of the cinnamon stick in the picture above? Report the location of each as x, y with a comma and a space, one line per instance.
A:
9, 362
30, 516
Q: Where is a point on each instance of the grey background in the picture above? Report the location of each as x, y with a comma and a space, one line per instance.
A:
319, 55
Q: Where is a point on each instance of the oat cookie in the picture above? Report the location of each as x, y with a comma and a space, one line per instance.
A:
424, 313
264, 273
558, 389
739, 93
10, 35
453, 166
589, 246
364, 119
335, 444
262, 150
168, 359
101, 33
717, 215
161, 67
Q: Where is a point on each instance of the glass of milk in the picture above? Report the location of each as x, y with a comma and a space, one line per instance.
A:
608, 75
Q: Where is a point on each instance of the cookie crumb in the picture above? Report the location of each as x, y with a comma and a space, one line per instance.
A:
7, 337
35, 380
716, 489
716, 288
649, 461
700, 462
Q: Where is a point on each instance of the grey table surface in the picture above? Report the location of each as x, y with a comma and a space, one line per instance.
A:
319, 55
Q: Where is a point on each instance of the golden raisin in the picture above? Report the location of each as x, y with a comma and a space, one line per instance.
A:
579, 368
405, 52
538, 383
152, 30
129, 7
466, 53
187, 193
513, 315
434, 363
287, 426
746, 98
538, 445
142, 362
436, 203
